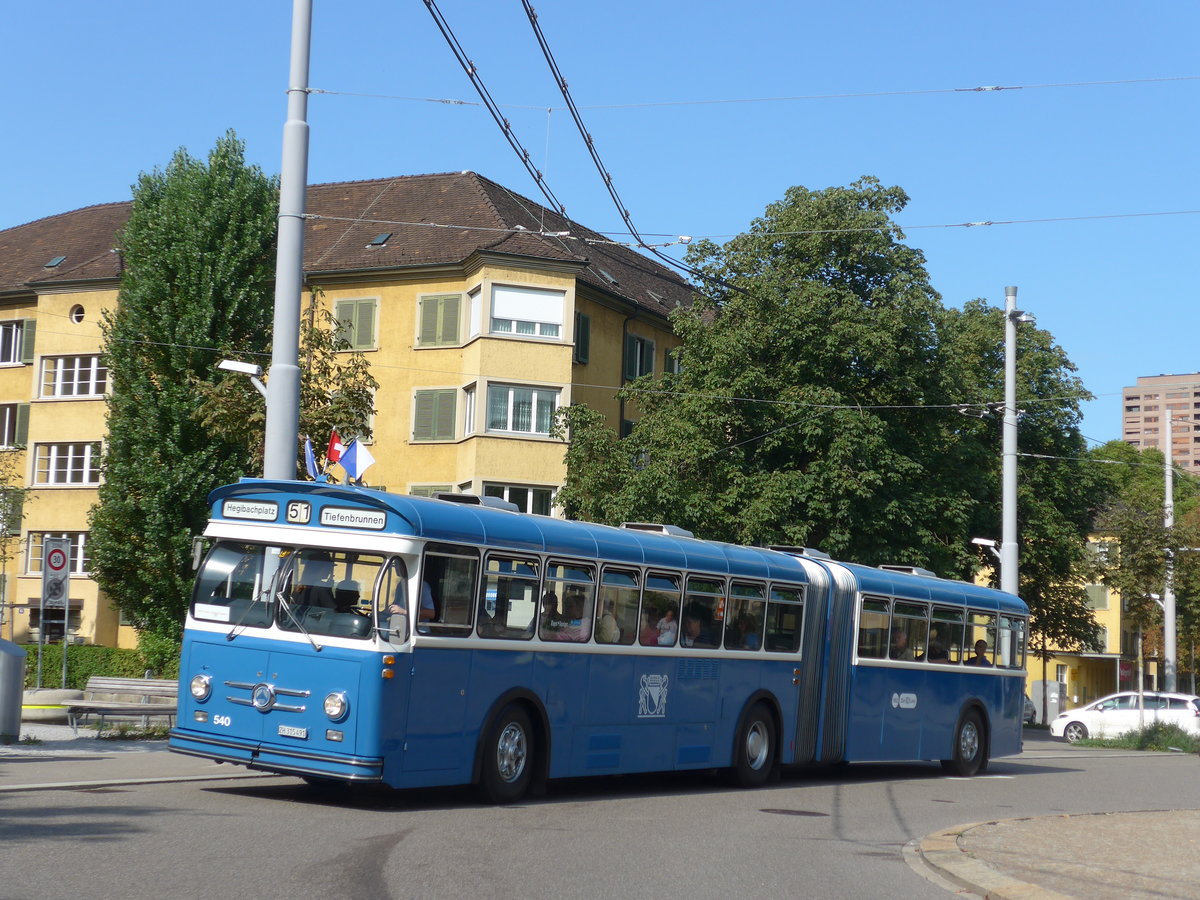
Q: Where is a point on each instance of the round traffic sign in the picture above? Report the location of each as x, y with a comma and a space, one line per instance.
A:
56, 560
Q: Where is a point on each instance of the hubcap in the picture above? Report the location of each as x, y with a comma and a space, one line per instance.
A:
511, 752
968, 741
758, 746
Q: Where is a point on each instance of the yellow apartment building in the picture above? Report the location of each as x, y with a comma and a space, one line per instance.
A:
480, 312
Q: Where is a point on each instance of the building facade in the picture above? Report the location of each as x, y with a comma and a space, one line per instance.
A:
1159, 405
480, 312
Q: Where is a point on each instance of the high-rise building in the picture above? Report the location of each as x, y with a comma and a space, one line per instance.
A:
1162, 405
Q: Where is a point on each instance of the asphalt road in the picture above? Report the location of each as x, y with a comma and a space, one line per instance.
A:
818, 833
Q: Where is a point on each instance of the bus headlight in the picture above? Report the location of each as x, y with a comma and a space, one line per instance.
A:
336, 705
201, 686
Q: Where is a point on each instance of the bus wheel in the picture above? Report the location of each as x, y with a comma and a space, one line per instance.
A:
970, 752
508, 756
754, 753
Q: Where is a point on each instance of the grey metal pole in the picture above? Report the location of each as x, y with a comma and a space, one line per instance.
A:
1008, 541
1168, 597
283, 386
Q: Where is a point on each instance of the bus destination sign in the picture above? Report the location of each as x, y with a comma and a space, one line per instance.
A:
344, 517
256, 510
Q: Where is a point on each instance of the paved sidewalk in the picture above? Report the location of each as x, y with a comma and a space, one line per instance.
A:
1102, 856
57, 758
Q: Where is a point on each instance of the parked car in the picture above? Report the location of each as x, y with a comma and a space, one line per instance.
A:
1030, 714
1117, 714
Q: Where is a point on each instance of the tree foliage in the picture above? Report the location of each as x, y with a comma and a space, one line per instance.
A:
198, 267
337, 390
819, 404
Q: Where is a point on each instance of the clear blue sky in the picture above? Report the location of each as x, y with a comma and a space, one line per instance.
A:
97, 92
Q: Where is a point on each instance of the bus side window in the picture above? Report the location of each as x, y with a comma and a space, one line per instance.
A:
617, 612
785, 619
873, 628
946, 635
450, 573
659, 624
910, 623
508, 606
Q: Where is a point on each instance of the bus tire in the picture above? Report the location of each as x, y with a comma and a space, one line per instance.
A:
508, 755
970, 746
754, 752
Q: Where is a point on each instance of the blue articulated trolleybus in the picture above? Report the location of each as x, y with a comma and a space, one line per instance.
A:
340, 633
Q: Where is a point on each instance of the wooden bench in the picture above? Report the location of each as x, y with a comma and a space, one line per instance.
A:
106, 697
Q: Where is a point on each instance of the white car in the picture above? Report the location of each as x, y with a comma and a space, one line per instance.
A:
1117, 714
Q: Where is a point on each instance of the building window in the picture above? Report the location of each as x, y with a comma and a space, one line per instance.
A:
440, 321
356, 323
67, 464
526, 312
73, 376
79, 551
1097, 595
428, 490
433, 415
639, 356
14, 424
522, 410
671, 363
527, 499
583, 337
16, 341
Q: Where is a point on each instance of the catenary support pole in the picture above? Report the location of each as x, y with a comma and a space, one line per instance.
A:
1008, 541
283, 386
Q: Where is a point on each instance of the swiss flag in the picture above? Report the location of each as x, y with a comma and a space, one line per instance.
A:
336, 447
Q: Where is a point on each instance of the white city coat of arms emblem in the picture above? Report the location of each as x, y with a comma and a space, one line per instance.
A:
652, 697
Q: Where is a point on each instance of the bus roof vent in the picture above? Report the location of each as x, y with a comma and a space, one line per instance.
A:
673, 530
476, 500
910, 570
812, 552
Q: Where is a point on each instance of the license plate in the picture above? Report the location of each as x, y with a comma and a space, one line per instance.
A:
292, 731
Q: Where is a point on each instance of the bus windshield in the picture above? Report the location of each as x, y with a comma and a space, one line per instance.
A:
307, 590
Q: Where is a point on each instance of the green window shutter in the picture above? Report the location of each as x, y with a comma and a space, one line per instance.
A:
583, 337
364, 326
448, 334
21, 438
429, 322
28, 329
446, 403
631, 371
433, 416
343, 311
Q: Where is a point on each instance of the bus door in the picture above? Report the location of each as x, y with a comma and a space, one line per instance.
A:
436, 731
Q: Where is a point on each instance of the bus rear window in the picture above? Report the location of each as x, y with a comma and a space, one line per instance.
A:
234, 584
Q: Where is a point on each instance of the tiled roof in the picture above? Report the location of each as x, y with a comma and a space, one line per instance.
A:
472, 214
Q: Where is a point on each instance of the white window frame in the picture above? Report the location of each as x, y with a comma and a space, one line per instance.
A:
69, 459
526, 312
639, 356
73, 377
538, 398
34, 551
504, 490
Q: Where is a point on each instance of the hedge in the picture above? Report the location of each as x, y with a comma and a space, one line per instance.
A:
86, 660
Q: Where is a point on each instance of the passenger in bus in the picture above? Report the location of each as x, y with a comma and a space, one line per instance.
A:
552, 620
316, 583
607, 631
667, 628
900, 648
428, 608
578, 627
694, 633
980, 657
937, 652
648, 636
346, 595
748, 629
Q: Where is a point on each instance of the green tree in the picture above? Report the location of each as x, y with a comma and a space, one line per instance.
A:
198, 267
337, 390
1141, 541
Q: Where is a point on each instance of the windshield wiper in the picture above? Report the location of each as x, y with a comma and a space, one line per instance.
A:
287, 608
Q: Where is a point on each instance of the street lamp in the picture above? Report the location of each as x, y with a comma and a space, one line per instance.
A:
987, 542
245, 368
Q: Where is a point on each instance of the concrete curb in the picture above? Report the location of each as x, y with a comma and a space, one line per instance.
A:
942, 853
